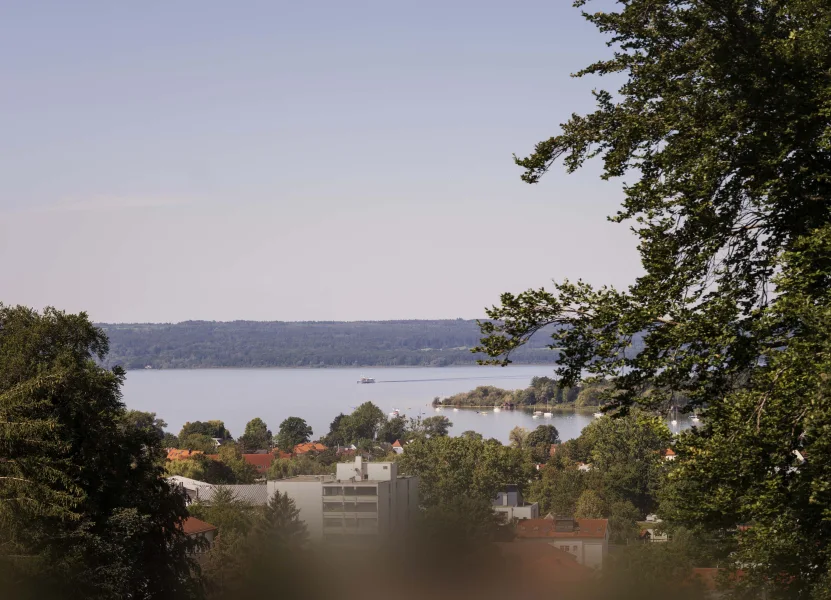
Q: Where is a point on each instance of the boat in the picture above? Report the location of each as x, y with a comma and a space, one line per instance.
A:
438, 409
674, 420
484, 412
395, 413
535, 416
538, 413
695, 418
455, 410
597, 415
497, 409
366, 380
547, 415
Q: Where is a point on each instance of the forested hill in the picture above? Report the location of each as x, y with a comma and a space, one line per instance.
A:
203, 344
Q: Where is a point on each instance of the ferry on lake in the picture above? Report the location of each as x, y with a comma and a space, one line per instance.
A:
366, 380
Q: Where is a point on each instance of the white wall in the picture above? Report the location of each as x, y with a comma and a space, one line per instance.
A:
593, 554
308, 497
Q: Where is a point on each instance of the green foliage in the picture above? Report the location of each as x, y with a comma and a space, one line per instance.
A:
437, 426
539, 441
558, 490
590, 505
170, 441
543, 390
197, 441
226, 512
394, 428
454, 467
256, 437
722, 123
517, 437
83, 506
362, 426
200, 344
293, 431
283, 468
230, 455
211, 429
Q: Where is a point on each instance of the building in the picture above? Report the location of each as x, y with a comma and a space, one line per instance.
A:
199, 491
362, 500
301, 449
544, 565
586, 539
668, 454
260, 461
511, 505
397, 447
176, 454
196, 529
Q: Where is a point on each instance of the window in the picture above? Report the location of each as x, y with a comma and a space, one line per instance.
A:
574, 548
565, 548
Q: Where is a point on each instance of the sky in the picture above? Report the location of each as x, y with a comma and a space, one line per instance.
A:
162, 162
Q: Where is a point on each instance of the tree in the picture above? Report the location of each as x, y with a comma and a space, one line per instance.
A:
394, 428
170, 441
256, 436
82, 500
540, 440
231, 456
198, 441
280, 523
212, 429
452, 467
364, 422
590, 505
471, 435
293, 431
558, 490
517, 437
722, 125
437, 426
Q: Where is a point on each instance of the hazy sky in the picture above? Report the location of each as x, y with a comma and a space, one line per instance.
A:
164, 161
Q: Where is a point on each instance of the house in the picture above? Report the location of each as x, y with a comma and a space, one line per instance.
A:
176, 454
397, 447
668, 454
277, 453
301, 449
583, 466
650, 531
543, 565
363, 500
261, 461
510, 505
196, 529
586, 539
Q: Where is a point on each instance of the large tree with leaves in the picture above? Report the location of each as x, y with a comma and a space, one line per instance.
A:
722, 129
83, 504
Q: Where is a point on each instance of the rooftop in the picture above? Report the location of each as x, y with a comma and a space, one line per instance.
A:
321, 478
192, 526
548, 528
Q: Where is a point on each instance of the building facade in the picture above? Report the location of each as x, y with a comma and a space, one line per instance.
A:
362, 500
586, 539
510, 504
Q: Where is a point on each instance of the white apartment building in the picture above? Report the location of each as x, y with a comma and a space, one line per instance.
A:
362, 499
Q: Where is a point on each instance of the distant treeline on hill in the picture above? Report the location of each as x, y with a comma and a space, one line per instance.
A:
204, 344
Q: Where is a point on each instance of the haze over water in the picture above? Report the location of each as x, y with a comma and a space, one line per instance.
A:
318, 395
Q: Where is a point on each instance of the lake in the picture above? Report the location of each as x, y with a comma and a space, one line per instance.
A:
236, 396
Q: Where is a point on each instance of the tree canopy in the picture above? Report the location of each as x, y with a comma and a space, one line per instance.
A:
721, 128
256, 437
293, 431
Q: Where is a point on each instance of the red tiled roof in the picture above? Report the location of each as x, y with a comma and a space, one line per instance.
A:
545, 528
192, 526
309, 447
668, 452
545, 563
397, 444
176, 454
261, 461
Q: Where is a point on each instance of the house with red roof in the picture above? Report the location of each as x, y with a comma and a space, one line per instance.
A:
261, 461
668, 454
301, 449
397, 447
586, 539
544, 565
196, 529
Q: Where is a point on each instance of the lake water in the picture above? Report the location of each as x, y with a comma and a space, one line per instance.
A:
236, 396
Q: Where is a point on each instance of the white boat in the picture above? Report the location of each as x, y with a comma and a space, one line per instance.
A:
597, 415
547, 415
497, 409
395, 413
438, 409
695, 419
538, 413
674, 420
366, 380
484, 412
455, 410
535, 416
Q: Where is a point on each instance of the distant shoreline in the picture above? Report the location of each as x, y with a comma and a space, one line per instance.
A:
336, 367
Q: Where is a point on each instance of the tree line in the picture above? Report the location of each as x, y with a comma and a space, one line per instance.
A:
205, 344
